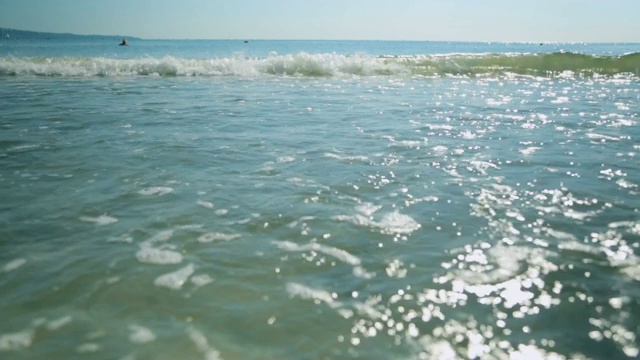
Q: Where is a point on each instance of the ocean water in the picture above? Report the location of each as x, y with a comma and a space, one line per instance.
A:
319, 200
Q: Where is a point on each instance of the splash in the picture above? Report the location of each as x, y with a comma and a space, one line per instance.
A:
560, 64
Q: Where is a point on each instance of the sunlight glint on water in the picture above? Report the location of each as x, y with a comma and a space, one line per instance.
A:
357, 204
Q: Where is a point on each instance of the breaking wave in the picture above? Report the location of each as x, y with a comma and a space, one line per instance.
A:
329, 65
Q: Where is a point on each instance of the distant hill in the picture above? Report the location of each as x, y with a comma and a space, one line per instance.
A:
13, 34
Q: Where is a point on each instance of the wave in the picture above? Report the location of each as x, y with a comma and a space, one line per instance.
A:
329, 65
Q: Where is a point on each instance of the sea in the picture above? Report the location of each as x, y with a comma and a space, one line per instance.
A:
241, 200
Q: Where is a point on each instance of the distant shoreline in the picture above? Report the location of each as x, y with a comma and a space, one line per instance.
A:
15, 34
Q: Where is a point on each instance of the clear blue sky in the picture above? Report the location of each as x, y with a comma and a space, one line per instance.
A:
457, 20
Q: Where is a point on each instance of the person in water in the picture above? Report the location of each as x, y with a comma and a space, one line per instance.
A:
124, 42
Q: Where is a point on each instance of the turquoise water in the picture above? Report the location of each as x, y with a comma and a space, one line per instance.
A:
319, 200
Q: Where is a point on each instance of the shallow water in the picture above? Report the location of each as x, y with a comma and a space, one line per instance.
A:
275, 215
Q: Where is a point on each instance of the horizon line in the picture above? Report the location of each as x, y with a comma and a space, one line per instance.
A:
542, 42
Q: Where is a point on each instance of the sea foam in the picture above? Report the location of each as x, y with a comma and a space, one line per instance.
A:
152, 255
328, 64
175, 280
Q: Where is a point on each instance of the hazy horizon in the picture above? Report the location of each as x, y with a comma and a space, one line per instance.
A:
572, 21
128, 36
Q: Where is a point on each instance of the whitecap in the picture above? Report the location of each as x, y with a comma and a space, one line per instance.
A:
125, 238
308, 293
440, 127
398, 223
201, 280
286, 159
151, 255
175, 280
339, 254
161, 236
391, 223
601, 137
205, 204
368, 209
202, 344
140, 334
100, 220
529, 151
58, 323
360, 272
158, 190
467, 135
440, 149
528, 352
561, 235
88, 348
13, 265
353, 158
210, 237
409, 143
16, 341
623, 122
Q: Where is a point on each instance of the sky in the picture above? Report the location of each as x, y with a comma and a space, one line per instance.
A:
437, 20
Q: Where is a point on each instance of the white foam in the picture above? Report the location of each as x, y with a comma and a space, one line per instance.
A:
100, 220
360, 272
16, 341
561, 235
300, 64
140, 334
161, 236
151, 255
440, 127
367, 209
158, 190
202, 344
308, 293
125, 238
440, 149
391, 223
339, 254
631, 226
205, 204
467, 135
13, 265
601, 137
212, 236
531, 352
286, 159
201, 280
175, 280
58, 323
398, 223
529, 151
347, 158
88, 348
